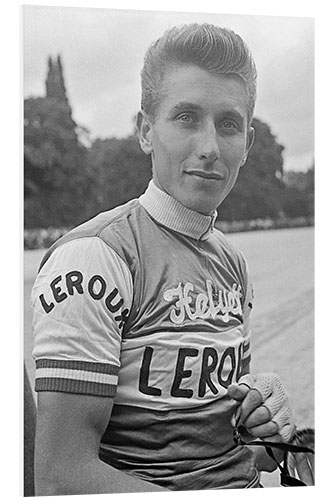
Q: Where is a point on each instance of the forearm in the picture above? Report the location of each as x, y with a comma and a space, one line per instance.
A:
86, 476
68, 435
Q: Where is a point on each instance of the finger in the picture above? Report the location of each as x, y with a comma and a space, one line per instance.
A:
251, 401
285, 424
237, 392
260, 415
248, 380
275, 404
276, 438
267, 430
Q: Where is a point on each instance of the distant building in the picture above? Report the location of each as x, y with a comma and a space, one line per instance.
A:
55, 84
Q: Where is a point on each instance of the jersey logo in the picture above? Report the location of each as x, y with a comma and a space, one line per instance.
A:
203, 305
209, 369
96, 287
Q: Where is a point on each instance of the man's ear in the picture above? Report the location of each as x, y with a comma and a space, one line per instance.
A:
144, 128
250, 141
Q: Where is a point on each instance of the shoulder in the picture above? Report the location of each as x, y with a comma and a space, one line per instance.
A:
229, 249
111, 228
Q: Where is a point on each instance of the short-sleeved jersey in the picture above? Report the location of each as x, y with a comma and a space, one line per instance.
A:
149, 304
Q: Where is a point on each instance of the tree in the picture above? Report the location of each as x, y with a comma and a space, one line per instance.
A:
298, 200
56, 174
122, 169
259, 189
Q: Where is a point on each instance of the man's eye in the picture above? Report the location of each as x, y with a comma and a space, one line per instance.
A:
227, 124
185, 118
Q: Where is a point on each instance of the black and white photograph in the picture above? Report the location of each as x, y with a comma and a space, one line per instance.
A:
169, 237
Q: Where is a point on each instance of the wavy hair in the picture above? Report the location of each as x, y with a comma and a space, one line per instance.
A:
212, 48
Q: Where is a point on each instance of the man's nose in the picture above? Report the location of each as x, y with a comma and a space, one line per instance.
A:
207, 145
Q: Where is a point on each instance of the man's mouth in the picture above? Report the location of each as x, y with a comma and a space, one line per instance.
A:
213, 176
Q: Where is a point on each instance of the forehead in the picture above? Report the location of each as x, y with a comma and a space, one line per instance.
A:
194, 85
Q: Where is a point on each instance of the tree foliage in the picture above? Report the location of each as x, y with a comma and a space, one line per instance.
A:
56, 173
122, 170
258, 190
299, 197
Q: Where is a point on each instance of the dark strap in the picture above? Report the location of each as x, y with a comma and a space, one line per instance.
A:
285, 477
293, 448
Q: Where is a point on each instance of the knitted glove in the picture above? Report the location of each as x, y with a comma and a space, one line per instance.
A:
274, 399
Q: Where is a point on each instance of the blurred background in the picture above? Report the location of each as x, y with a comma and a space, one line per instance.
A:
82, 92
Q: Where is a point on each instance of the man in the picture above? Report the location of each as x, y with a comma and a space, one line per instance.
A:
141, 315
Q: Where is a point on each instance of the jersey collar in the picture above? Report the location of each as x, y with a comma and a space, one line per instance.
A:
168, 212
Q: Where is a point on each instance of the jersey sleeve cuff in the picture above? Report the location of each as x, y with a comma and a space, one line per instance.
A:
78, 377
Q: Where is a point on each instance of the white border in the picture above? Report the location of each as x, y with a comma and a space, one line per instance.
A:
11, 223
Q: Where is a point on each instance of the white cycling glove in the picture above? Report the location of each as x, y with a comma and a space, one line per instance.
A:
275, 400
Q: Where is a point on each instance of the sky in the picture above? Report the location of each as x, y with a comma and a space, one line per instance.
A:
102, 53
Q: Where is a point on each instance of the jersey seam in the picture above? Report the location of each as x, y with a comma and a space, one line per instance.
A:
127, 267
118, 216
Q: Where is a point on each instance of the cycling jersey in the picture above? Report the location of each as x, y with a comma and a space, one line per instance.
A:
149, 304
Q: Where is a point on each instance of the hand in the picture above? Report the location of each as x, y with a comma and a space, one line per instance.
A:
264, 407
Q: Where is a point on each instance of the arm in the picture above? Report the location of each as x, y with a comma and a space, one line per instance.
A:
77, 341
68, 434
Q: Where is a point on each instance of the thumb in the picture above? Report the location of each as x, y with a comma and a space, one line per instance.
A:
237, 392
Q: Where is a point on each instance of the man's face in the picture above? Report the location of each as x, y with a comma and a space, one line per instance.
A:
199, 138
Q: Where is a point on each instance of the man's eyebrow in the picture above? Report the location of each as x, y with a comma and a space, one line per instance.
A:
185, 106
232, 113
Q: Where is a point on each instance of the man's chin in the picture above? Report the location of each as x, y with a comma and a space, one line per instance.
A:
203, 201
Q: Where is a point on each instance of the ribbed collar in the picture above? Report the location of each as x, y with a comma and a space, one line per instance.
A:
168, 212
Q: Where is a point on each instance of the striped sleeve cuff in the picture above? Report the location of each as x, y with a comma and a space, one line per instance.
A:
79, 377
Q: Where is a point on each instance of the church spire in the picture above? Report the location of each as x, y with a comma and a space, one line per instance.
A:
55, 85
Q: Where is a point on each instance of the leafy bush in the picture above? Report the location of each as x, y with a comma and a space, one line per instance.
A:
42, 238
